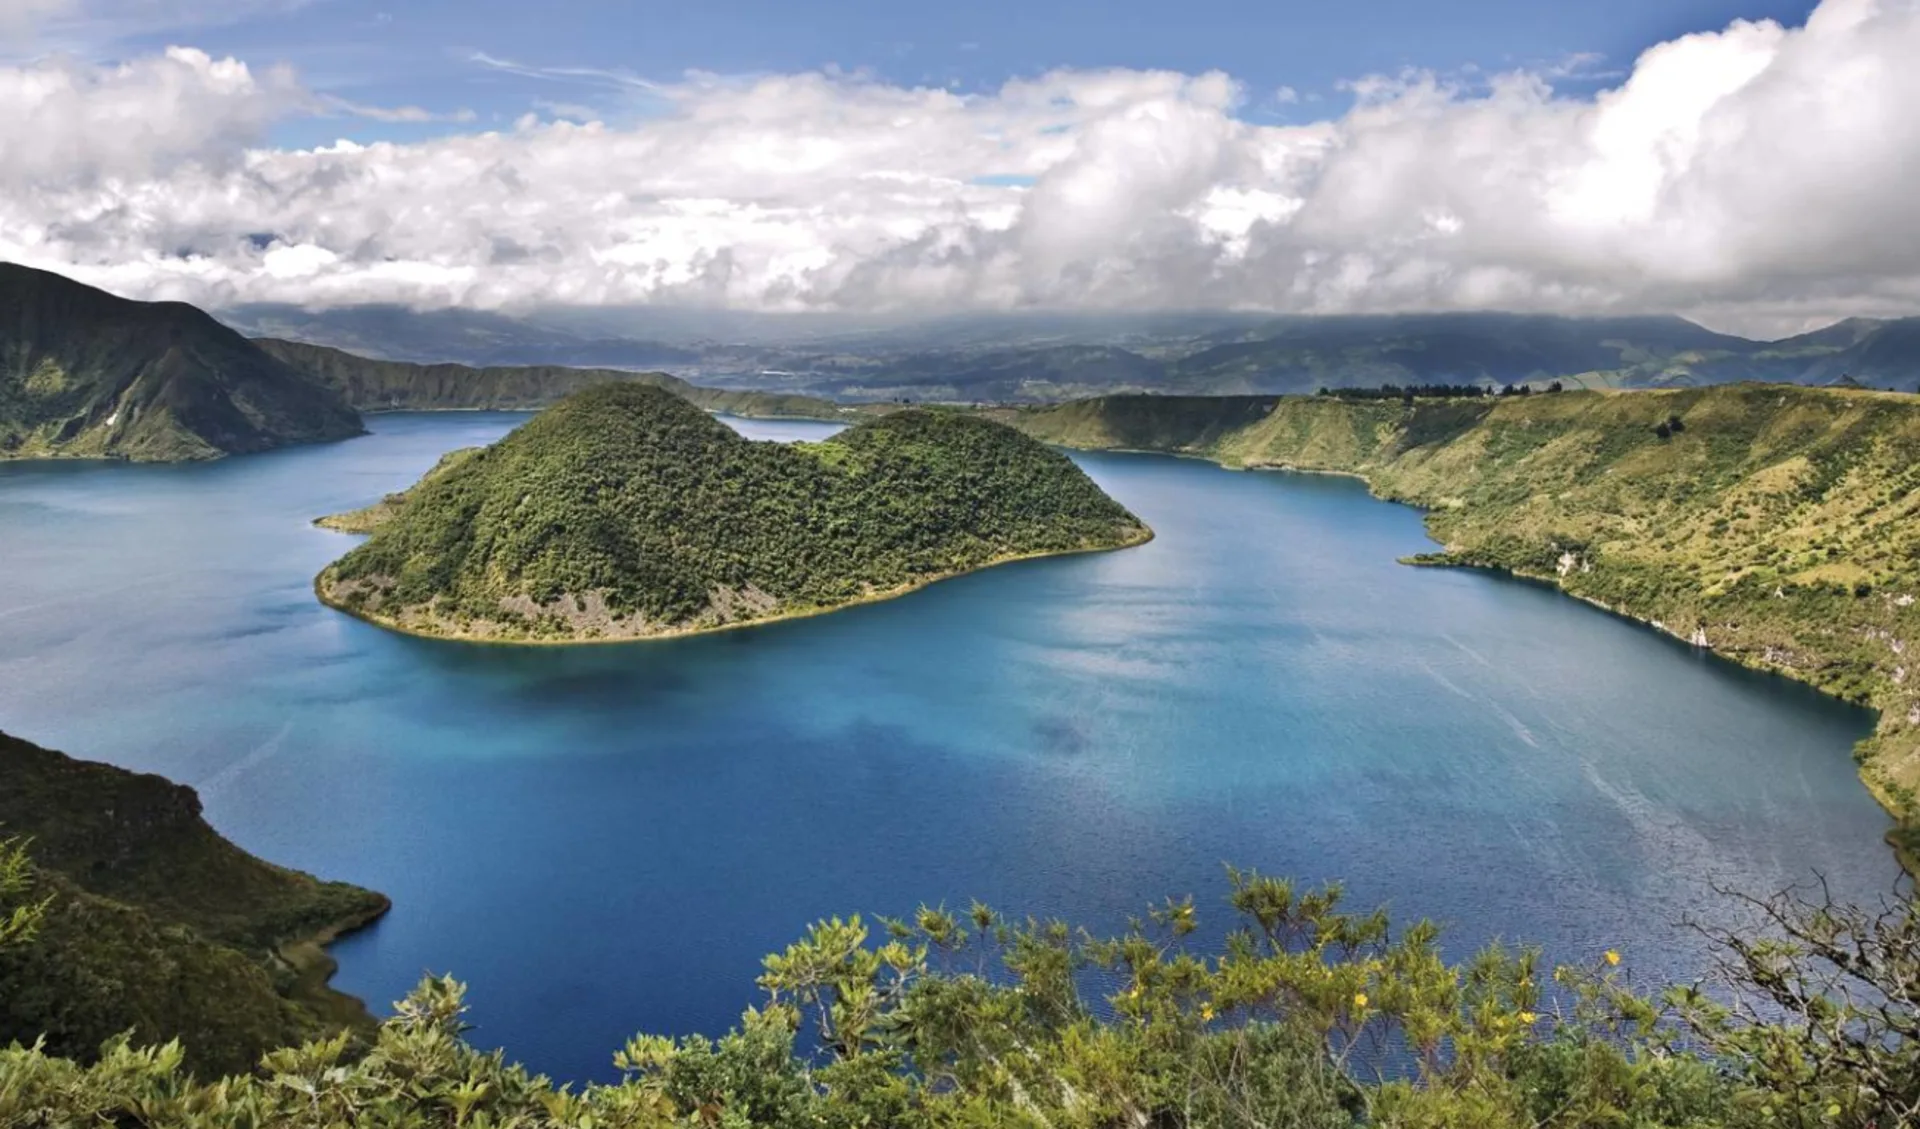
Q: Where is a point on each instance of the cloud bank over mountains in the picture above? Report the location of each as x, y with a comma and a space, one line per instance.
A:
1757, 175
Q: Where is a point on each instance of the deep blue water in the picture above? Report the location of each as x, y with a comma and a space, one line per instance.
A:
606, 839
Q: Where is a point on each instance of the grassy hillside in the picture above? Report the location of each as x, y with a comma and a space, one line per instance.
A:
86, 374
157, 924
625, 512
375, 385
1778, 526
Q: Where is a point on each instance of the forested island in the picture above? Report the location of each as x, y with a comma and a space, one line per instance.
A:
625, 512
1778, 526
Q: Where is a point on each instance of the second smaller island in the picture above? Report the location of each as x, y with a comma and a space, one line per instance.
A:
625, 512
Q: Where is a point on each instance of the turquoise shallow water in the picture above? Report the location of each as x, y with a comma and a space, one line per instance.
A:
606, 839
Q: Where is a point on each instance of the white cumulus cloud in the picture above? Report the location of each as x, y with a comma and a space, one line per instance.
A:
1759, 174
71, 126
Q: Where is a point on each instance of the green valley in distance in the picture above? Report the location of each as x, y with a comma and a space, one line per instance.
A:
373, 385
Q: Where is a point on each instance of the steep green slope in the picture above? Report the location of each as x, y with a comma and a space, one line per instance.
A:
83, 373
159, 925
1778, 526
374, 385
626, 512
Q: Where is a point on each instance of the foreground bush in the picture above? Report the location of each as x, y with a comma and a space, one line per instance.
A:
1305, 1017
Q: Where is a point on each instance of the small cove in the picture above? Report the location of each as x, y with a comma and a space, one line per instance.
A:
604, 840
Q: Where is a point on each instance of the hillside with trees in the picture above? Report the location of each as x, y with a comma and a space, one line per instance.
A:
148, 923
86, 374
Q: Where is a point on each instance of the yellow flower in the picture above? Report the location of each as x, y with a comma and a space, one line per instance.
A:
1360, 1000
1133, 993
1206, 1012
1613, 956
1528, 1017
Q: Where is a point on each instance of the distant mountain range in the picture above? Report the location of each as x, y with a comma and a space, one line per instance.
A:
85, 373
377, 386
1038, 358
472, 337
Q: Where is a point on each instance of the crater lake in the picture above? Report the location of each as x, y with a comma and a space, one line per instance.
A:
606, 839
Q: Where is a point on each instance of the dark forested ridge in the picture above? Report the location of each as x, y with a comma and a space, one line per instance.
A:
625, 512
155, 924
376, 385
84, 373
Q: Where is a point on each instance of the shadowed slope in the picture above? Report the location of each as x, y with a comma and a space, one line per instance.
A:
159, 925
84, 373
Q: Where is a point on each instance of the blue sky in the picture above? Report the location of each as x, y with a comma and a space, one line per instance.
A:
424, 53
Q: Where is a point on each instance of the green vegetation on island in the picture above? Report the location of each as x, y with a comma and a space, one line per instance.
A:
1777, 525
626, 512
1306, 1016
366, 519
85, 374
148, 922
376, 385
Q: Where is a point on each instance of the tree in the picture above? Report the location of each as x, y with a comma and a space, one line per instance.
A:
1824, 1012
19, 916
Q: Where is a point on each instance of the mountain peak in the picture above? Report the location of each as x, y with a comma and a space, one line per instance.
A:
85, 373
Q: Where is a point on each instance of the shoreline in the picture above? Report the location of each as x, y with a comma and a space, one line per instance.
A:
313, 968
387, 624
1909, 861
